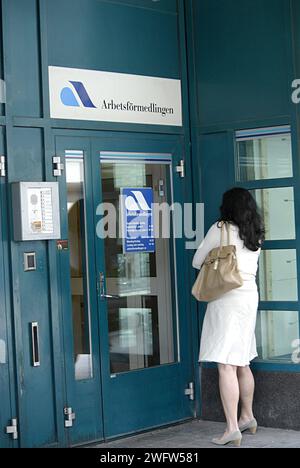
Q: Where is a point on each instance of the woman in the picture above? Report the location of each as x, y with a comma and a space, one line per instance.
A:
228, 335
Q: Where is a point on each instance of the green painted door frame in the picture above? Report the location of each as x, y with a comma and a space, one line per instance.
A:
7, 391
110, 406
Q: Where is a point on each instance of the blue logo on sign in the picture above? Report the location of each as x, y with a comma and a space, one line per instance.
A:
136, 201
72, 98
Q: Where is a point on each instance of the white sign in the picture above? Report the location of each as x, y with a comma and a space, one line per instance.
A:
114, 97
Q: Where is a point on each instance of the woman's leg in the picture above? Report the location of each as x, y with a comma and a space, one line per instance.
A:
229, 391
246, 386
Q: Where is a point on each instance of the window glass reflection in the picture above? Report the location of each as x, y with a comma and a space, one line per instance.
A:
278, 211
278, 275
78, 264
141, 309
277, 333
266, 157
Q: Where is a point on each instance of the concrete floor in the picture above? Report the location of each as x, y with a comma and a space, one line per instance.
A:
198, 434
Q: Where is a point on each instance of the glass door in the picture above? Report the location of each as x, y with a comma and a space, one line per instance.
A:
145, 361
124, 320
78, 292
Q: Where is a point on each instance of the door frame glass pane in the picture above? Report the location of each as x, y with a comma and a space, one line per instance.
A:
278, 334
164, 160
257, 155
79, 264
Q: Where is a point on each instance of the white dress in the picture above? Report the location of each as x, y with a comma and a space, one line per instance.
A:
228, 334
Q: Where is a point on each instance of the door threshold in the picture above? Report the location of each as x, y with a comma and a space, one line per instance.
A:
134, 434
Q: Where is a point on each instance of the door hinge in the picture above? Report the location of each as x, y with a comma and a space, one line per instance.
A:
181, 168
190, 391
13, 429
69, 416
2, 166
58, 166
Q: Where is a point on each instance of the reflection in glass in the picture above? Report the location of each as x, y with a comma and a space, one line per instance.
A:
2, 87
78, 264
278, 211
278, 275
2, 95
276, 332
140, 313
267, 157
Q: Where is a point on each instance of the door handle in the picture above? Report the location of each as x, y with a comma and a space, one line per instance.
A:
35, 344
103, 294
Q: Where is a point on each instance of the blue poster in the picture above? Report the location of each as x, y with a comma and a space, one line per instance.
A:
137, 217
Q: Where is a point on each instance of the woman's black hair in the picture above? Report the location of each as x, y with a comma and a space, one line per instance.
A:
239, 208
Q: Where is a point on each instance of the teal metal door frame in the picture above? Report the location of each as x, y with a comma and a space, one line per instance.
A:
161, 387
168, 382
7, 391
83, 396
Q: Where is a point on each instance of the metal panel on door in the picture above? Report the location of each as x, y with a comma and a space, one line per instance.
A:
37, 385
8, 437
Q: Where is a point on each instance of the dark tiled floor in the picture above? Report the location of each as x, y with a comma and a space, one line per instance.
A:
198, 434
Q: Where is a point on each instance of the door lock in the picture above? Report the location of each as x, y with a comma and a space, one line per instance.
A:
69, 416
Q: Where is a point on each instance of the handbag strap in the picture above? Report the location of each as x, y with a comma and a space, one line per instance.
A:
216, 263
228, 233
224, 224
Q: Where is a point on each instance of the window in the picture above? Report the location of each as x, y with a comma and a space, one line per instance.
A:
277, 206
278, 275
141, 308
264, 165
75, 179
264, 154
277, 332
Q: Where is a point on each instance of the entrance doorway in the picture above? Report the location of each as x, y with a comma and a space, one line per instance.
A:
128, 356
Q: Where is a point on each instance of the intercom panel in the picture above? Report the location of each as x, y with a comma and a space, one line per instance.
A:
35, 211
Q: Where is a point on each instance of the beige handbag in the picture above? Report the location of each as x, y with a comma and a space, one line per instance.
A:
219, 273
